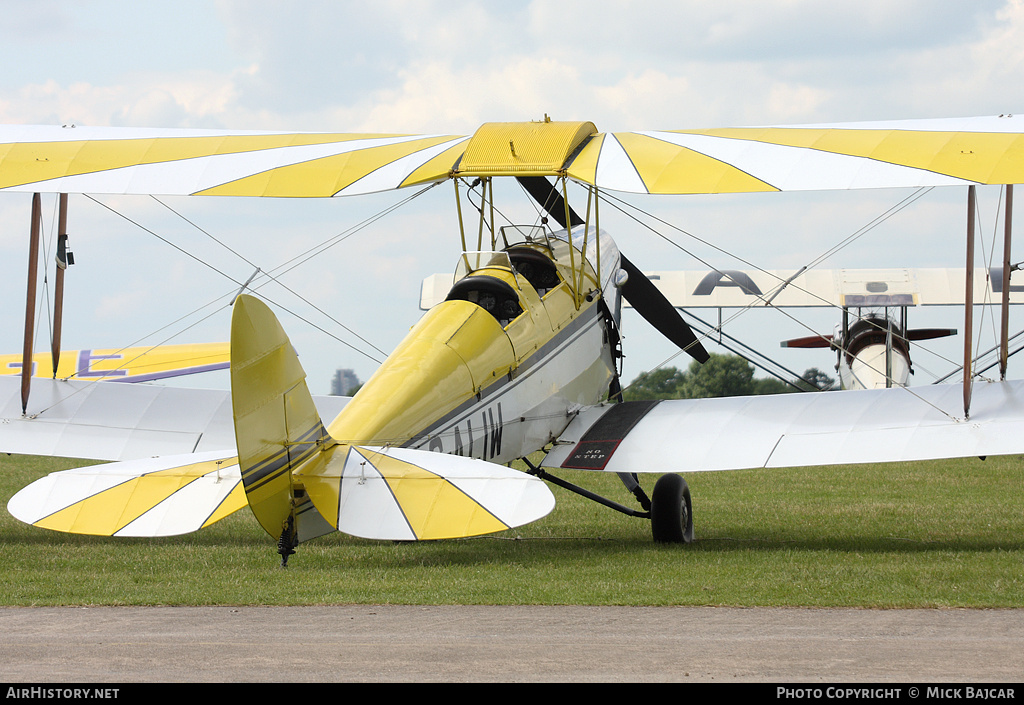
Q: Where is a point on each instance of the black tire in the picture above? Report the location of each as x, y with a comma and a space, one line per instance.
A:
671, 510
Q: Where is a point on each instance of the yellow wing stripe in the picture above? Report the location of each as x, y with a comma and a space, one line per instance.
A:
29, 162
583, 167
231, 504
986, 158
109, 511
322, 177
668, 168
436, 169
432, 505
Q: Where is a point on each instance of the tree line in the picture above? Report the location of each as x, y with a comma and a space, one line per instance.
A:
720, 376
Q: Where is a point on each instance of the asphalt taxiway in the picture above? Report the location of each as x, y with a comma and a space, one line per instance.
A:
388, 643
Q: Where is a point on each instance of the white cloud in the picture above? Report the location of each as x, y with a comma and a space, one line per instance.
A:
429, 66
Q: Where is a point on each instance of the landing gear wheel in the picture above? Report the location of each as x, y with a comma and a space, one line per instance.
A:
671, 510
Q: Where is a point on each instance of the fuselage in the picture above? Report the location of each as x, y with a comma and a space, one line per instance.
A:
874, 354
496, 370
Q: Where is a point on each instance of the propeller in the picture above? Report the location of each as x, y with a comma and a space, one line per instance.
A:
929, 333
638, 290
825, 341
811, 341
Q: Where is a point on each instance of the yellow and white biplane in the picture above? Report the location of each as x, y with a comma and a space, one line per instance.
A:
520, 355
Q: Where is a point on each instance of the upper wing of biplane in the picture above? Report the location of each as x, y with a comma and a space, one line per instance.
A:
911, 153
907, 153
828, 287
222, 163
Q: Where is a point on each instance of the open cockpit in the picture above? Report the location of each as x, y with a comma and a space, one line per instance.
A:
494, 280
492, 294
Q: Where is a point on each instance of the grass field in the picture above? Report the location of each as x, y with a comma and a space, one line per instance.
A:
930, 534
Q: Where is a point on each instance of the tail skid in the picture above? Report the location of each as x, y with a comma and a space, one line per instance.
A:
277, 426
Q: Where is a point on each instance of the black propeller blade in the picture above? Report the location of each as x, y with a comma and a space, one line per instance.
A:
929, 333
650, 303
811, 341
638, 290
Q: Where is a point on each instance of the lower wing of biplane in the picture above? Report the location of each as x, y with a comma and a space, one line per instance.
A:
135, 364
794, 430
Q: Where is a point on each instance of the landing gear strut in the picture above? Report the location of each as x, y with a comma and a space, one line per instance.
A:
671, 510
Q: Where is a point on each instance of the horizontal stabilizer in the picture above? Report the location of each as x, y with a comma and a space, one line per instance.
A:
822, 428
402, 494
150, 497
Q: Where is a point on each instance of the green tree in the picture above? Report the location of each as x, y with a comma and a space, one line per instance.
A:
814, 379
659, 384
720, 376
771, 385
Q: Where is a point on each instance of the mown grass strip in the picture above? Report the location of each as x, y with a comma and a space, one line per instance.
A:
935, 534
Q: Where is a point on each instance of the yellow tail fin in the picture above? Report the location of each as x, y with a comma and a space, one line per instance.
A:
382, 493
277, 426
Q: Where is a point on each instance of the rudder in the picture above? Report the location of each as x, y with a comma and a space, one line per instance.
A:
277, 426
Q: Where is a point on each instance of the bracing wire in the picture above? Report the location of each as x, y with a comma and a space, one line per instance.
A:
892, 211
275, 274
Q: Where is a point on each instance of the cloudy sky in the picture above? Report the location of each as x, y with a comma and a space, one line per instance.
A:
424, 66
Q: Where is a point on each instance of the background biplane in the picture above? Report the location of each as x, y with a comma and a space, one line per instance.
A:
874, 337
522, 355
